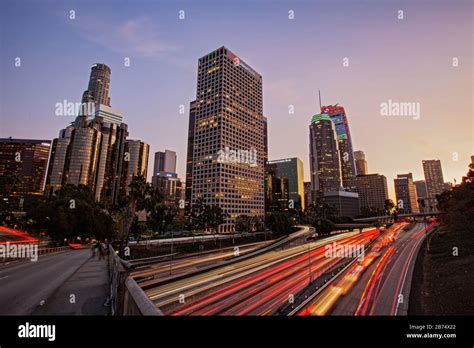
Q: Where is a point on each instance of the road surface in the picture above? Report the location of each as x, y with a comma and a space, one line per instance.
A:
24, 285
257, 286
380, 284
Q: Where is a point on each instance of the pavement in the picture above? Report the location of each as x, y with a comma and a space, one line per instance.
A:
67, 283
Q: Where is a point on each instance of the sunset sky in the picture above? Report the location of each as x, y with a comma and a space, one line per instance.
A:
408, 60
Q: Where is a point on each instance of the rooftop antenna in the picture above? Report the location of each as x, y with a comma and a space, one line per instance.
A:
320, 106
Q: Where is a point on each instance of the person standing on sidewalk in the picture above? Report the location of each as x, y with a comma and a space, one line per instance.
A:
101, 250
94, 250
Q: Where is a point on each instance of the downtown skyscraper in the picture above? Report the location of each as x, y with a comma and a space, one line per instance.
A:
226, 137
135, 161
323, 156
99, 85
373, 191
292, 170
23, 164
434, 181
346, 154
92, 150
361, 163
405, 190
325, 166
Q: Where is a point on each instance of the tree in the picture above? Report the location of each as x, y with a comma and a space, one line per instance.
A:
389, 205
324, 226
243, 223
126, 211
198, 215
159, 214
457, 206
279, 222
215, 217
71, 213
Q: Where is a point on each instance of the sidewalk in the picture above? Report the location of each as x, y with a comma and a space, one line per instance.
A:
83, 293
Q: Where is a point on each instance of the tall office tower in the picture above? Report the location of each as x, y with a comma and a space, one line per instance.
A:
189, 154
323, 156
338, 116
165, 162
276, 190
292, 170
361, 163
405, 190
373, 191
434, 181
421, 194
228, 139
99, 85
165, 177
307, 194
23, 164
136, 161
83, 153
111, 161
265, 139
91, 151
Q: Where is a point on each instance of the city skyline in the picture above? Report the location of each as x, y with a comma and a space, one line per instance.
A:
162, 126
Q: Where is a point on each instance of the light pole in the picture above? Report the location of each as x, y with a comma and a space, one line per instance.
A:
171, 254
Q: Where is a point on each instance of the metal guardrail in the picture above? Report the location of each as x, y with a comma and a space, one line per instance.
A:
136, 302
117, 276
41, 251
126, 297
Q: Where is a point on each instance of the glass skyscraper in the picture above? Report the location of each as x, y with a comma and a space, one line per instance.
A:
292, 170
227, 126
346, 154
323, 156
23, 165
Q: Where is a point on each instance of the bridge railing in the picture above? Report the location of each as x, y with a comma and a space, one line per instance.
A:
126, 297
136, 302
27, 256
117, 276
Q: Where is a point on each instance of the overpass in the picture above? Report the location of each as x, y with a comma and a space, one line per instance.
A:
389, 218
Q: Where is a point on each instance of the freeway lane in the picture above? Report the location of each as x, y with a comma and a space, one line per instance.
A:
171, 268
257, 286
388, 289
379, 286
154, 278
23, 285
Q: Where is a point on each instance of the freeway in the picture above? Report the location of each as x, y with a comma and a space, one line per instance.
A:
24, 285
148, 274
379, 284
153, 276
260, 285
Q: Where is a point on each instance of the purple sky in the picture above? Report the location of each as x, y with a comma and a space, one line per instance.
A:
409, 60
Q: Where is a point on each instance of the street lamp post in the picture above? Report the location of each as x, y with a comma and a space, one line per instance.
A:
171, 254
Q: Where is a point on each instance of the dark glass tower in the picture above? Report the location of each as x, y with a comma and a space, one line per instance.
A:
324, 156
346, 154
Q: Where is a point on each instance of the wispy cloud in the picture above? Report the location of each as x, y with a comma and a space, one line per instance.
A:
140, 37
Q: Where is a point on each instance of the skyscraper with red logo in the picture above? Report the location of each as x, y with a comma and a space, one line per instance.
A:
346, 154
